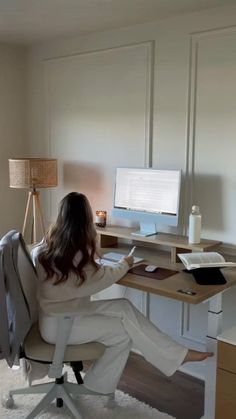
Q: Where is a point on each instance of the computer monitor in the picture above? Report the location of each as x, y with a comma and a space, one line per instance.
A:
148, 196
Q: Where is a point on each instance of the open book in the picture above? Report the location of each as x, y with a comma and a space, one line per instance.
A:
204, 260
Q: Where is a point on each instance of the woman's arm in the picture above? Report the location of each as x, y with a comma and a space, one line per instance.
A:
104, 277
96, 280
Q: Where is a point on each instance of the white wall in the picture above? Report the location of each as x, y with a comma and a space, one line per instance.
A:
13, 132
105, 100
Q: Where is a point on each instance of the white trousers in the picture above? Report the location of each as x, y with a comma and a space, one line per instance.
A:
118, 325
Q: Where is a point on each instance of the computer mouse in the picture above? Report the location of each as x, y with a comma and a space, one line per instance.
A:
151, 268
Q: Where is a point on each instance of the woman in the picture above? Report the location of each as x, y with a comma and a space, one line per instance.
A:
68, 276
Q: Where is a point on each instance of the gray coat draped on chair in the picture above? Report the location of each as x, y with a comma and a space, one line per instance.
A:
15, 319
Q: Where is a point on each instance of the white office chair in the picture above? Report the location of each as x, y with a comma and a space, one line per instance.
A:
36, 349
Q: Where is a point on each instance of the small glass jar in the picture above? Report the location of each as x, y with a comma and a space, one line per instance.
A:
101, 218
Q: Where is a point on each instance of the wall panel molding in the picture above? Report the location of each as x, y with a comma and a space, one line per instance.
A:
143, 56
194, 42
149, 89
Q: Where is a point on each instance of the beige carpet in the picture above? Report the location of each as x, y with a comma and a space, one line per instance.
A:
90, 407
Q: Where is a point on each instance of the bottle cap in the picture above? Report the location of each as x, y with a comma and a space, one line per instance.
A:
195, 209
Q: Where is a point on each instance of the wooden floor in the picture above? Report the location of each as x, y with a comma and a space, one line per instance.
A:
180, 396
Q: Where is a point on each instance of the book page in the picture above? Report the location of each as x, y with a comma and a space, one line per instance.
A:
201, 259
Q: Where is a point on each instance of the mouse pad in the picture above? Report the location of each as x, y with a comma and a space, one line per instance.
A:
160, 273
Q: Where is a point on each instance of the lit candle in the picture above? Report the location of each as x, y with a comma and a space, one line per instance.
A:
101, 218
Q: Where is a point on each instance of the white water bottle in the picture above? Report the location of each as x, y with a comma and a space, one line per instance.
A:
195, 224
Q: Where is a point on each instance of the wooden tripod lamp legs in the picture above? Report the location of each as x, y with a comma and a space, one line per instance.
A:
35, 202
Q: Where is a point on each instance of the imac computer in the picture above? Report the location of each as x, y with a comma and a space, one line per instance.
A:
148, 196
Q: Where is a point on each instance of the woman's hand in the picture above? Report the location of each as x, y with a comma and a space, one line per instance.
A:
129, 260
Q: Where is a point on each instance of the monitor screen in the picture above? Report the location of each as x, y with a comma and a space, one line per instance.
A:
149, 196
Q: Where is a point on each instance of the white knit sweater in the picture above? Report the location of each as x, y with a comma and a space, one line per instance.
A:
70, 294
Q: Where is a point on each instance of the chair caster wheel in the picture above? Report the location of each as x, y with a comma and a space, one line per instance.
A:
7, 402
59, 402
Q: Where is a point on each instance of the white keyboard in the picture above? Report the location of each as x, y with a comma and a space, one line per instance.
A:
115, 257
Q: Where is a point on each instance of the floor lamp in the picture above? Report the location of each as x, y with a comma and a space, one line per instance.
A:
32, 174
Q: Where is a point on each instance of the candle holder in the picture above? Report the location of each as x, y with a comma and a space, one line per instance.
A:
101, 218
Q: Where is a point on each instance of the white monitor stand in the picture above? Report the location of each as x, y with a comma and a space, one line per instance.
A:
146, 229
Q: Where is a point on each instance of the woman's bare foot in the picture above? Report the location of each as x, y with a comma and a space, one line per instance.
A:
194, 356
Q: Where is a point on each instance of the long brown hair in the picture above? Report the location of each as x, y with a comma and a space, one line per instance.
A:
73, 232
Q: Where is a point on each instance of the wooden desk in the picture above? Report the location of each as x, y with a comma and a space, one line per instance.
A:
169, 287
148, 249
211, 293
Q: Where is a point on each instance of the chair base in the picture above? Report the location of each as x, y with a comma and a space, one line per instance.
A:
55, 390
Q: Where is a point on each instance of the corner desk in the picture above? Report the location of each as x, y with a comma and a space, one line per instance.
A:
169, 287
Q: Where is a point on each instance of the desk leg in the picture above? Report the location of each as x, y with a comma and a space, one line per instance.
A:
214, 329
145, 304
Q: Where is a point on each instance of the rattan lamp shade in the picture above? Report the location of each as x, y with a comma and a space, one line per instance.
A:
33, 173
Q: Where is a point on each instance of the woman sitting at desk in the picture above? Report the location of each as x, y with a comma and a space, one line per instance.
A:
68, 276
